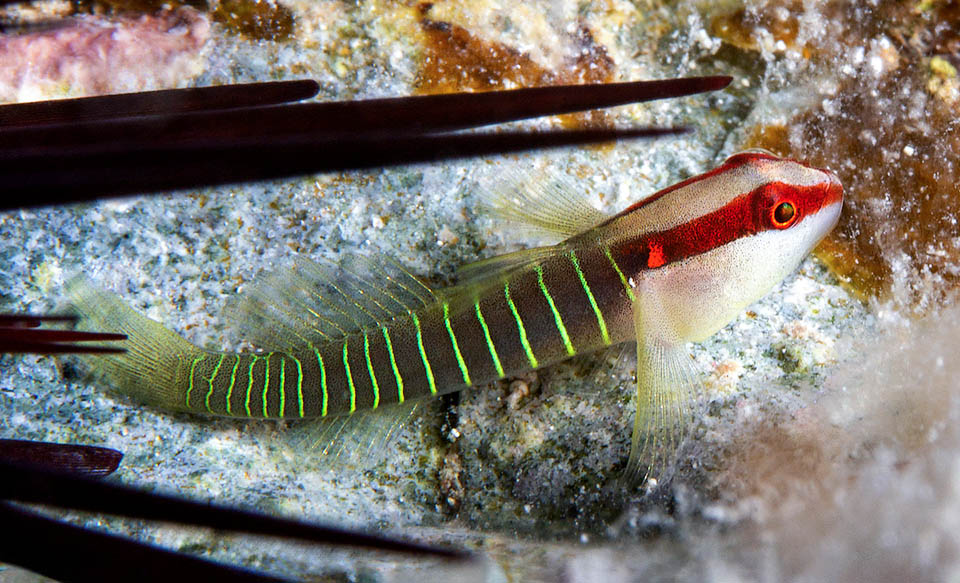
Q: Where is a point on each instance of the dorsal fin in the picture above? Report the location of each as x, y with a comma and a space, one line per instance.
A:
318, 302
543, 200
478, 274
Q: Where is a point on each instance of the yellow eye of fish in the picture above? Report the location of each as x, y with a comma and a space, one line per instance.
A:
784, 214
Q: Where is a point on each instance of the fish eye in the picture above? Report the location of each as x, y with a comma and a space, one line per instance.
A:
784, 215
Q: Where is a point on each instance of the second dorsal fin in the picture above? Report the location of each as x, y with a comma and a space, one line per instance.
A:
318, 302
480, 273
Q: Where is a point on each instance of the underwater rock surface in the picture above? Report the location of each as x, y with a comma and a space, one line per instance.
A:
826, 444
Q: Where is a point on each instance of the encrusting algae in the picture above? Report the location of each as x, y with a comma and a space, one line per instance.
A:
256, 19
455, 60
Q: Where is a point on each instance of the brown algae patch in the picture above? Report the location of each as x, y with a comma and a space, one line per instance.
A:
456, 59
897, 162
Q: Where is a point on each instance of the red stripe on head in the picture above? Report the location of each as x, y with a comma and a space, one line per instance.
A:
745, 215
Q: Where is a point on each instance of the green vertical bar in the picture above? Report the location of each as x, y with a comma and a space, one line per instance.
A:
523, 331
216, 370
193, 366
456, 347
283, 387
556, 313
266, 384
323, 382
353, 390
246, 402
393, 364
299, 386
423, 353
593, 302
233, 381
373, 376
623, 279
486, 334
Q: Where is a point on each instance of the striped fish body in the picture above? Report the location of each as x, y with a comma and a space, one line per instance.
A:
673, 268
536, 316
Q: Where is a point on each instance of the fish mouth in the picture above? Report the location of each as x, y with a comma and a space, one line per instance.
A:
834, 188
834, 196
832, 203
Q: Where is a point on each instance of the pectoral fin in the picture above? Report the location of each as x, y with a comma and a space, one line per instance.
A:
665, 388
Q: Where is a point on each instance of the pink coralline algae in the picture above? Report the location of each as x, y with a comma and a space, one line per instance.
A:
93, 55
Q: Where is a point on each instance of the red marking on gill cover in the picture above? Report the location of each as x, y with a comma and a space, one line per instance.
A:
737, 219
656, 257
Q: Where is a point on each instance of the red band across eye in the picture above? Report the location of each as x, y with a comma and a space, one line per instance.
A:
775, 205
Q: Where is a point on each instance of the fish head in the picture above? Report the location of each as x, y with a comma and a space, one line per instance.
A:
713, 244
795, 206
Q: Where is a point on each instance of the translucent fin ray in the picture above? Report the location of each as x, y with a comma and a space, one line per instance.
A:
149, 369
318, 302
666, 385
491, 271
356, 440
545, 201
612, 362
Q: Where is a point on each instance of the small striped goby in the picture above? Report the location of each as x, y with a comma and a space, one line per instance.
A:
673, 268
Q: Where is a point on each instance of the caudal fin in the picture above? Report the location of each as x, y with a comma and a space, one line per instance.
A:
152, 370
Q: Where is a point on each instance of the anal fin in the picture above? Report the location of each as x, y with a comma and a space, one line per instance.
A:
358, 440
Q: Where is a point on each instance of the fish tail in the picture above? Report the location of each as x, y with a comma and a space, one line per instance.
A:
155, 365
